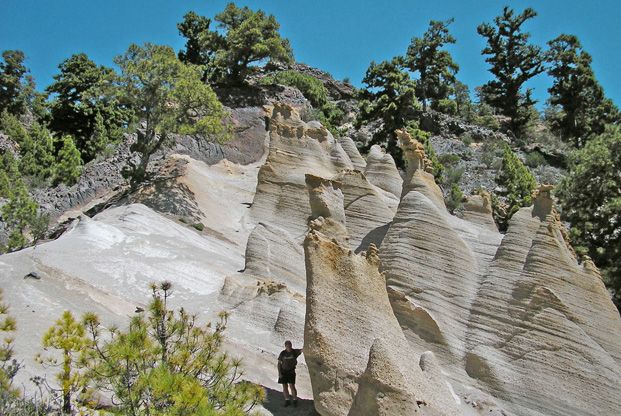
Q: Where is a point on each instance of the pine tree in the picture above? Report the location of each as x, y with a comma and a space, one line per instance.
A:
16, 86
585, 109
519, 184
82, 95
389, 97
435, 67
68, 337
68, 167
463, 100
590, 197
19, 212
513, 61
165, 363
245, 38
170, 97
8, 364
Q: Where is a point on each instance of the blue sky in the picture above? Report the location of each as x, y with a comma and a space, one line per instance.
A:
341, 37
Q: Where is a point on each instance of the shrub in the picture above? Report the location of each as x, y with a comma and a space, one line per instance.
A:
446, 106
467, 139
199, 226
518, 181
309, 86
535, 159
166, 363
454, 201
590, 196
313, 89
491, 154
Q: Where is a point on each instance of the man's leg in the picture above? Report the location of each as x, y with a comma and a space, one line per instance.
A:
285, 392
294, 394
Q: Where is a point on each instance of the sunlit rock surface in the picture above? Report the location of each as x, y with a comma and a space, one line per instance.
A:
402, 307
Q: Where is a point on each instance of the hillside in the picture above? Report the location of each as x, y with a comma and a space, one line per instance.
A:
165, 229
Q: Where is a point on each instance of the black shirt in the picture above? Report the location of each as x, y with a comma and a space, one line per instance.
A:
288, 359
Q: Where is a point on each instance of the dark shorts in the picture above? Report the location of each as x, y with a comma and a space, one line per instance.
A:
288, 377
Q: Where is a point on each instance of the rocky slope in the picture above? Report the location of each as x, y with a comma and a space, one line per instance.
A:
402, 307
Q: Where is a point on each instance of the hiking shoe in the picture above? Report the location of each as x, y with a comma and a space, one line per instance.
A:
295, 403
287, 403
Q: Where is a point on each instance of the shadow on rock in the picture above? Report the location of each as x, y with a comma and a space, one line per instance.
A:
274, 403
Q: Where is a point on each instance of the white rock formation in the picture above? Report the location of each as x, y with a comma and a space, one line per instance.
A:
457, 319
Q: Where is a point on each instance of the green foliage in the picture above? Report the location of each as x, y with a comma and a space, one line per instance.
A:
535, 159
517, 180
244, 38
19, 211
454, 200
491, 154
68, 338
445, 106
585, 109
86, 105
35, 146
8, 364
484, 116
463, 102
313, 89
170, 97
37, 153
16, 86
467, 139
513, 61
68, 167
389, 97
198, 49
590, 197
435, 67
166, 363
437, 167
199, 226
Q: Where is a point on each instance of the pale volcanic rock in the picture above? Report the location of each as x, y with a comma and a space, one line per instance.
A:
418, 176
382, 172
544, 336
478, 210
347, 313
352, 151
368, 209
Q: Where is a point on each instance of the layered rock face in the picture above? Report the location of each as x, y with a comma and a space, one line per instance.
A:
402, 308
358, 358
512, 324
515, 316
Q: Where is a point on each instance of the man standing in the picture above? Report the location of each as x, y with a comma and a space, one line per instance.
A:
287, 360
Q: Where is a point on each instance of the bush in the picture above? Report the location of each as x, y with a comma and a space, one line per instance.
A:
535, 159
166, 363
491, 154
313, 89
467, 139
518, 181
199, 226
454, 201
446, 106
590, 196
309, 86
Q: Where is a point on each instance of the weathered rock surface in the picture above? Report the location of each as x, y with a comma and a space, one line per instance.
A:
502, 313
457, 319
354, 155
382, 172
348, 317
